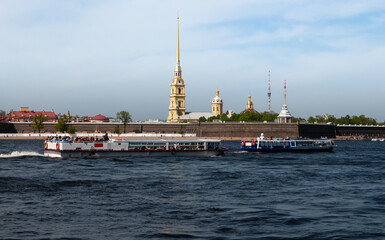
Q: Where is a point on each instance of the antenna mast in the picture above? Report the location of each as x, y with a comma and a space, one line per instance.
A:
269, 96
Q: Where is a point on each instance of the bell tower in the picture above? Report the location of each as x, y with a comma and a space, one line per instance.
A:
177, 95
217, 105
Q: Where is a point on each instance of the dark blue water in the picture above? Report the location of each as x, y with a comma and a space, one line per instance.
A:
338, 195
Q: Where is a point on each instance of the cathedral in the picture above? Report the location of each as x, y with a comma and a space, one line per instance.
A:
177, 95
177, 108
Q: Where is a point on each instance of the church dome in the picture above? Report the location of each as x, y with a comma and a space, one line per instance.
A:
217, 99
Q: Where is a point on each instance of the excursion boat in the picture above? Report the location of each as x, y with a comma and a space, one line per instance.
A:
287, 145
133, 147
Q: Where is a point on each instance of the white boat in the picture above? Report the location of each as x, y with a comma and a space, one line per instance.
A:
287, 145
378, 139
133, 147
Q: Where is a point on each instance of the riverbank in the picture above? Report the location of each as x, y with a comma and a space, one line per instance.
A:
36, 136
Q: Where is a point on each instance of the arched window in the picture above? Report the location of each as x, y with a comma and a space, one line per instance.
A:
213, 108
217, 108
179, 91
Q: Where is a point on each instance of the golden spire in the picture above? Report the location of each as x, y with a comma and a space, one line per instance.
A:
177, 69
177, 42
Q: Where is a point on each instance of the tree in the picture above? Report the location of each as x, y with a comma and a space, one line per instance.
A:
2, 112
71, 130
311, 119
116, 130
124, 117
234, 117
224, 117
202, 119
211, 119
37, 122
299, 119
62, 125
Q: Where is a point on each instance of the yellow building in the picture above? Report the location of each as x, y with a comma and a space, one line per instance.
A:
177, 95
217, 105
249, 106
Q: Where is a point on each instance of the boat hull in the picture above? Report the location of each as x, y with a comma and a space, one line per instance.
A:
296, 150
134, 153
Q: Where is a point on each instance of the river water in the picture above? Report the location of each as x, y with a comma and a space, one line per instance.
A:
339, 195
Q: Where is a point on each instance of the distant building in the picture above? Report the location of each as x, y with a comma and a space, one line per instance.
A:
194, 116
249, 106
96, 119
216, 109
284, 116
25, 115
217, 105
325, 116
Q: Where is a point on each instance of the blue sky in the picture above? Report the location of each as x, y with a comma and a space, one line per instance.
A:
94, 57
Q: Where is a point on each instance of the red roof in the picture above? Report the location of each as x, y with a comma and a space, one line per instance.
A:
3, 118
99, 117
31, 114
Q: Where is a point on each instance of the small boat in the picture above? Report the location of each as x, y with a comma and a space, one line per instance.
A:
378, 139
133, 147
287, 145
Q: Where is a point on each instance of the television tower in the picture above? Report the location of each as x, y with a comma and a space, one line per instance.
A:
269, 96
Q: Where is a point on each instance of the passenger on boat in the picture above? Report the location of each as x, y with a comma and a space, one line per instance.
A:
106, 137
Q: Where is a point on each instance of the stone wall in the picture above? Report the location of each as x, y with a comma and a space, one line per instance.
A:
228, 130
247, 130
6, 127
225, 130
109, 127
317, 130
364, 131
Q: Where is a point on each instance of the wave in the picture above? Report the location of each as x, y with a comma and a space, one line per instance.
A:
21, 154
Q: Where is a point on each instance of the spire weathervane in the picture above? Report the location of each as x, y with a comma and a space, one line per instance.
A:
177, 42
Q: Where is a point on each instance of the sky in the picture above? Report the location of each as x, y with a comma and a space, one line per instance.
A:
102, 57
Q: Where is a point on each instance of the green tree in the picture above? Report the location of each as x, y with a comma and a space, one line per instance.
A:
202, 119
37, 122
269, 117
299, 119
71, 130
331, 119
224, 117
211, 119
234, 117
116, 130
124, 117
62, 125
311, 119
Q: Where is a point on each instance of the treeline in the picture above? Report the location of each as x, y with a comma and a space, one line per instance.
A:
353, 120
271, 117
246, 117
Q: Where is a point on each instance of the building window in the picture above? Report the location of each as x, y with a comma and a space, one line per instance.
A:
179, 91
213, 108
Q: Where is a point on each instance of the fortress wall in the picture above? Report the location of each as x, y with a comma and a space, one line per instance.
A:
247, 130
317, 130
6, 127
365, 131
227, 130
108, 127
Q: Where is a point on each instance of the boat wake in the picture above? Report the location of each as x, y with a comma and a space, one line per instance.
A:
21, 154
